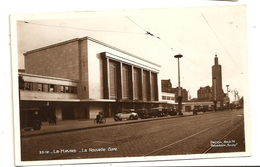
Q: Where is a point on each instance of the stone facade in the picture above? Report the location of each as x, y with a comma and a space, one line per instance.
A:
60, 60
205, 94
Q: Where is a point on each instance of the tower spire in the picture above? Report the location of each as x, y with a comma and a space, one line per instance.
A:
216, 59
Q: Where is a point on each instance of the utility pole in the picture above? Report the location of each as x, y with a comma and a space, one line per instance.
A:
179, 98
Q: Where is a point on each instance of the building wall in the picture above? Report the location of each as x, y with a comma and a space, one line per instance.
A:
34, 95
94, 110
166, 85
82, 60
31, 90
205, 94
60, 60
96, 72
83, 68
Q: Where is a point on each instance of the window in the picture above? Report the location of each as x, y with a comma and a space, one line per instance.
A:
153, 78
112, 80
172, 98
164, 97
145, 85
66, 89
168, 98
136, 85
62, 89
27, 86
39, 87
125, 82
52, 88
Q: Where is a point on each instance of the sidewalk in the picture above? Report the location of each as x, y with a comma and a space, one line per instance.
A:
72, 125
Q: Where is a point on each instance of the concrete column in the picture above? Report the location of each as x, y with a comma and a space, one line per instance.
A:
183, 108
105, 64
192, 107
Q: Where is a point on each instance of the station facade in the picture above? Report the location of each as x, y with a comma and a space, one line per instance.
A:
79, 78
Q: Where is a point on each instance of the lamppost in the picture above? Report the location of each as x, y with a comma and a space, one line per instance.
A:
215, 92
179, 98
227, 97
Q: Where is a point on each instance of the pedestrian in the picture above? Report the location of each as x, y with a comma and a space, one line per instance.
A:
98, 117
53, 119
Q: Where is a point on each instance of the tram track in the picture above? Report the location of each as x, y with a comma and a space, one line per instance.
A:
132, 140
188, 137
227, 134
198, 133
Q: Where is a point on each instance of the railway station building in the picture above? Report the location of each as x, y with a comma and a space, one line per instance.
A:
79, 78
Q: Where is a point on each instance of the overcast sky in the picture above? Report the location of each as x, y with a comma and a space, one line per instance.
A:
198, 33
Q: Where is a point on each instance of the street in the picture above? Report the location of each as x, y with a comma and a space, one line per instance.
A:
212, 132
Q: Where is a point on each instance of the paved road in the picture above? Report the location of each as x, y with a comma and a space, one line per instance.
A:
207, 133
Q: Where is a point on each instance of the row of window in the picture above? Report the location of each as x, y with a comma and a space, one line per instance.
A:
168, 98
205, 91
208, 95
41, 87
148, 86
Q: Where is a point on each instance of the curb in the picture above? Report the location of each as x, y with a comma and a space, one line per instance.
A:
106, 125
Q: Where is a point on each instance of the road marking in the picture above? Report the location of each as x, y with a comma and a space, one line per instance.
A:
186, 138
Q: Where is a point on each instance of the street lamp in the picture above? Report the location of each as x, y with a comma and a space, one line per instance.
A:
179, 98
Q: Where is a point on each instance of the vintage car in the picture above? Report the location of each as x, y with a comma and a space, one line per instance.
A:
142, 113
128, 114
172, 111
30, 120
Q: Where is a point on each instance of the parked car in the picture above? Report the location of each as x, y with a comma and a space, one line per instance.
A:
126, 114
30, 121
164, 112
142, 113
156, 112
172, 112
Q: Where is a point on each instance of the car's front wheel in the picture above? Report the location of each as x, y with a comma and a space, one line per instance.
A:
131, 117
116, 119
37, 126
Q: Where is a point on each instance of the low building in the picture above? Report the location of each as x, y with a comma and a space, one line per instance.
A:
184, 93
167, 87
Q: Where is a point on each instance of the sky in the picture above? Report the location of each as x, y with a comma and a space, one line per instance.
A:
177, 39
198, 33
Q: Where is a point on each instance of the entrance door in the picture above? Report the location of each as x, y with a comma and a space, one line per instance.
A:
68, 113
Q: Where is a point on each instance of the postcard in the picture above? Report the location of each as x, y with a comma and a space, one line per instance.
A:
130, 85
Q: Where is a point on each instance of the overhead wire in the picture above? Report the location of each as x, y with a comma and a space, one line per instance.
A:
149, 33
168, 43
80, 28
219, 40
146, 33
